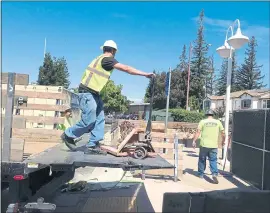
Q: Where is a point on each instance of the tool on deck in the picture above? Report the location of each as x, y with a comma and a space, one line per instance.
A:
141, 146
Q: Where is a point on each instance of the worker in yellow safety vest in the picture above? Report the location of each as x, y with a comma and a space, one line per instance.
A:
94, 78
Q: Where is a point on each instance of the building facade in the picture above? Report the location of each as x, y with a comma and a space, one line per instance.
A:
247, 99
40, 106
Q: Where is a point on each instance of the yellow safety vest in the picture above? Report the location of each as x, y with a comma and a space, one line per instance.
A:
95, 77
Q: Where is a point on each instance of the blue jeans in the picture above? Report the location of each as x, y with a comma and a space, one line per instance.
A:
212, 156
92, 118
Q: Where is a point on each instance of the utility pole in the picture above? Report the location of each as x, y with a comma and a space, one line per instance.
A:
189, 58
167, 91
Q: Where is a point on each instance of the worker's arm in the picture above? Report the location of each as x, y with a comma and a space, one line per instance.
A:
221, 129
132, 71
196, 136
223, 137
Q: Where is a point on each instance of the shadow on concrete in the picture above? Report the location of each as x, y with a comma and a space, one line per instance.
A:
187, 151
193, 155
196, 174
230, 177
227, 175
155, 177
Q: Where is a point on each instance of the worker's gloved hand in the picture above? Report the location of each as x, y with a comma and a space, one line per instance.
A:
150, 75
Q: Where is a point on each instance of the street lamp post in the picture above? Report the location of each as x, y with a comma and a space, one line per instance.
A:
234, 42
189, 58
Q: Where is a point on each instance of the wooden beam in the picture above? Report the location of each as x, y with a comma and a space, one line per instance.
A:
39, 119
45, 107
42, 119
34, 148
36, 94
36, 132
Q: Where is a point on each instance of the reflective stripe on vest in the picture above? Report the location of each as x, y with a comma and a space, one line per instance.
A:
95, 77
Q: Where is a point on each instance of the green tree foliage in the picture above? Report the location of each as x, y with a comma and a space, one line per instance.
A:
181, 115
178, 86
210, 77
199, 63
249, 76
54, 72
113, 99
222, 80
45, 71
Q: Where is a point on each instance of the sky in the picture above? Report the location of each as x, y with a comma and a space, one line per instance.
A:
149, 35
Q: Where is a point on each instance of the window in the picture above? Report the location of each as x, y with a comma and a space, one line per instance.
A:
266, 104
207, 104
245, 104
55, 126
18, 112
58, 101
56, 114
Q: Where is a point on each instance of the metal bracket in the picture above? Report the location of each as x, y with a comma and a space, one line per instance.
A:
40, 205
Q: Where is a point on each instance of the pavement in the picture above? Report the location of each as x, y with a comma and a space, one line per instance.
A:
106, 178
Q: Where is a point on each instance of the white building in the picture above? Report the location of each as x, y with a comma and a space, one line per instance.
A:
247, 99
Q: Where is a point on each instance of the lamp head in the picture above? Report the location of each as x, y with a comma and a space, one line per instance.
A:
238, 40
224, 51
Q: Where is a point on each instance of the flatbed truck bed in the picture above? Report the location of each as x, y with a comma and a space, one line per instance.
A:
42, 174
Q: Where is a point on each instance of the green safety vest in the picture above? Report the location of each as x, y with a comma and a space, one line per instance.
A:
95, 77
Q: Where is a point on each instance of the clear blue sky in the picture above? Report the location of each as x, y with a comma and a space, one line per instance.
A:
150, 35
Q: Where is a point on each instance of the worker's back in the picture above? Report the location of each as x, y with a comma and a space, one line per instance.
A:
210, 129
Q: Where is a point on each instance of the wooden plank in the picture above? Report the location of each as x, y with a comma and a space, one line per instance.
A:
17, 149
45, 107
124, 142
51, 139
36, 94
34, 148
36, 131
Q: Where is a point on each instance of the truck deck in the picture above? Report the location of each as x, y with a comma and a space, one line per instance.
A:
60, 155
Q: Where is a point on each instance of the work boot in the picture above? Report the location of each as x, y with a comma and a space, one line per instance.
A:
70, 143
215, 179
200, 176
94, 150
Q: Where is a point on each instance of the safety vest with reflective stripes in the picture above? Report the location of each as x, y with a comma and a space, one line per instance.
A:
95, 77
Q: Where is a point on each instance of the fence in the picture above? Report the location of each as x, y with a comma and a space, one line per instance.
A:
251, 147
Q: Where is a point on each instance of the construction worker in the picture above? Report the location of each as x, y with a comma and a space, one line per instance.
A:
94, 78
209, 130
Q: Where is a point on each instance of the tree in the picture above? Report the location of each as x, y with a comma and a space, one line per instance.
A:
54, 72
222, 80
183, 60
249, 76
210, 78
45, 70
159, 99
113, 99
60, 75
199, 63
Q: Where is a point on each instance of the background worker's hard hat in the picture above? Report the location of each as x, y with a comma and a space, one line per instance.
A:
109, 43
209, 112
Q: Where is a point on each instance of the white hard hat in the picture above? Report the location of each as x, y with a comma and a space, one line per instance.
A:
109, 43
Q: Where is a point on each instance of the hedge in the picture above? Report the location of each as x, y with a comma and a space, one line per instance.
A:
181, 115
